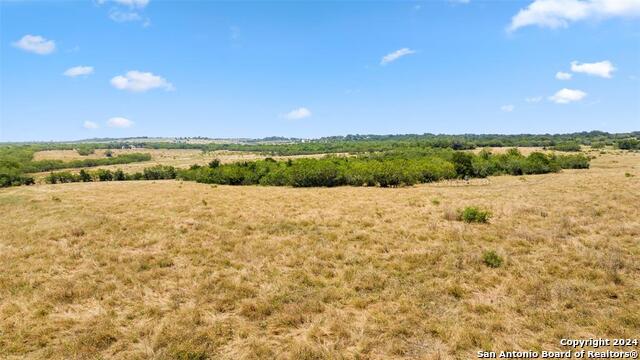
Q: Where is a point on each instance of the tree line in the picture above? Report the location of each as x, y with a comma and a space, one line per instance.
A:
391, 169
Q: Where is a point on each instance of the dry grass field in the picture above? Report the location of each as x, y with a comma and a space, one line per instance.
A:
171, 270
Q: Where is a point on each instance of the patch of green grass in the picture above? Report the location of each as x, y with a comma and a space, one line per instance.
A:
492, 259
473, 214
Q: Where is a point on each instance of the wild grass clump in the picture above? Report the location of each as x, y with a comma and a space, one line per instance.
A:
492, 259
473, 214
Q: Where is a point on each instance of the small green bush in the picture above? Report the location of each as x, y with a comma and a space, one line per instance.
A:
214, 163
567, 146
85, 150
492, 259
472, 214
85, 176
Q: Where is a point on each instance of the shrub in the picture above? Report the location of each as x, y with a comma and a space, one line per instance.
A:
104, 175
12, 177
119, 175
85, 150
492, 259
108, 153
85, 176
628, 144
472, 214
159, 172
214, 163
567, 146
463, 163
61, 177
577, 161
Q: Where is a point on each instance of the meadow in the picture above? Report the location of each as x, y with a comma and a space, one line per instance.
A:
172, 269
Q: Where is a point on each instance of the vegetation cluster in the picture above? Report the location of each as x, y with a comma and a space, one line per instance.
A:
389, 169
16, 162
383, 160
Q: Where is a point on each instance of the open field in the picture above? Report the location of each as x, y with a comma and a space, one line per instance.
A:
171, 270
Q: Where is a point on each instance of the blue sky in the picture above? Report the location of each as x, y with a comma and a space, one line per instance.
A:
119, 68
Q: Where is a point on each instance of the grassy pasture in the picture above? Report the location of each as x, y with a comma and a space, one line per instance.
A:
171, 270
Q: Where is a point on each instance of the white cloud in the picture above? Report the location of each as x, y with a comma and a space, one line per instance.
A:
78, 70
297, 114
124, 16
602, 68
119, 122
507, 108
137, 81
559, 13
131, 3
566, 96
391, 57
90, 125
127, 11
563, 75
533, 99
36, 44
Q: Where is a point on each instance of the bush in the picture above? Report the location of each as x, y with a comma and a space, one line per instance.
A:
577, 161
567, 146
628, 144
119, 175
85, 150
463, 163
61, 177
104, 175
492, 259
472, 214
85, 176
159, 172
12, 177
214, 163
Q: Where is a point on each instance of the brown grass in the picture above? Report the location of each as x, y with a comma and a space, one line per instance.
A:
138, 270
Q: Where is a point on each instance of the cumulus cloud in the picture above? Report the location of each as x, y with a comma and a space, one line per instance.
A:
119, 122
90, 125
78, 71
560, 13
36, 44
563, 75
297, 114
138, 81
602, 68
391, 57
533, 99
507, 108
566, 96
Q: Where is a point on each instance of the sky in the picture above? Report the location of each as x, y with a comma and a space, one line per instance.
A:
121, 68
